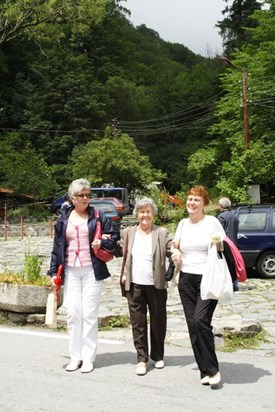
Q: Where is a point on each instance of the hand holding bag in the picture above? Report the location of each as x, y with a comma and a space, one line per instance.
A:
101, 253
216, 280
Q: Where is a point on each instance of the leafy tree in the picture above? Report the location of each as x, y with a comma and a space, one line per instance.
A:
233, 26
31, 17
116, 160
22, 170
235, 166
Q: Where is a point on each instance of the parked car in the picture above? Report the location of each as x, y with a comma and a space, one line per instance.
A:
120, 207
118, 193
256, 238
107, 206
110, 211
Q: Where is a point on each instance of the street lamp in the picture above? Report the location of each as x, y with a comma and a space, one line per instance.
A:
244, 100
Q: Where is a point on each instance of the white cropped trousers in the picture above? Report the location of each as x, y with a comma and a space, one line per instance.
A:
82, 294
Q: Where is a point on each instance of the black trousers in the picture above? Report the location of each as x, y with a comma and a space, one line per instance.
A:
139, 298
198, 314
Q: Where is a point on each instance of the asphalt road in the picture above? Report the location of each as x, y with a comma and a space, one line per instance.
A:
33, 379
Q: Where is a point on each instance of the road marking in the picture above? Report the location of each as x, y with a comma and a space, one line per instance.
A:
16, 331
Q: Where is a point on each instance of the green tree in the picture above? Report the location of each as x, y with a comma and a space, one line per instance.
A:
236, 166
116, 160
233, 26
31, 17
22, 170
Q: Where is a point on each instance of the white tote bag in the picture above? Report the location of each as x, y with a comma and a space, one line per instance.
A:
216, 280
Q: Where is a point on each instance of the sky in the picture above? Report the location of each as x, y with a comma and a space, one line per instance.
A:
188, 22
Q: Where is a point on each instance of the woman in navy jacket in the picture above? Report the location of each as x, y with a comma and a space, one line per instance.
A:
83, 272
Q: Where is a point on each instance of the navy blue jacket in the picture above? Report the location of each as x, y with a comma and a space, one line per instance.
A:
59, 243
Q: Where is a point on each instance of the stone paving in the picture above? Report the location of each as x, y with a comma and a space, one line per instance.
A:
254, 304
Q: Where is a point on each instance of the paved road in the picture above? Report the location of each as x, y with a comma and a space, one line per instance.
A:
33, 379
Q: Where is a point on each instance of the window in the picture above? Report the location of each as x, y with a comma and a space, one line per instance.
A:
273, 221
252, 221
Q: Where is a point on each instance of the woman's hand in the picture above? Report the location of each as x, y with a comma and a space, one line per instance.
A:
53, 282
175, 244
96, 244
105, 236
176, 256
123, 279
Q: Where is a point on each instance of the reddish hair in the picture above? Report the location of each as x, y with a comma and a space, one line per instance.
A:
199, 191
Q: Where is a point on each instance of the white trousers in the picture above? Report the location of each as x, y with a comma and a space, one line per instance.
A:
81, 299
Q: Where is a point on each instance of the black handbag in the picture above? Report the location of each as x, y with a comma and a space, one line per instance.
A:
170, 270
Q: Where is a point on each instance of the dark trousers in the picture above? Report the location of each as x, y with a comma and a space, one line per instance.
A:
198, 314
139, 297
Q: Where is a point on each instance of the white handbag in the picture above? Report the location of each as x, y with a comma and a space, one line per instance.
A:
216, 279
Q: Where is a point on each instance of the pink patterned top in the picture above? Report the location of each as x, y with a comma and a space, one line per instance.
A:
78, 249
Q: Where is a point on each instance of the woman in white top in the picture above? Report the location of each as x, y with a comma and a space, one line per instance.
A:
192, 239
145, 248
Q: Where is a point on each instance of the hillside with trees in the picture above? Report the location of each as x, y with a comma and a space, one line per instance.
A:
84, 93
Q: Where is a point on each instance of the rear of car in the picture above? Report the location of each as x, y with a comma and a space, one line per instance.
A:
110, 211
256, 238
120, 207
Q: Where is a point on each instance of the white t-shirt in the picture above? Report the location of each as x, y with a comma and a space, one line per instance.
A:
194, 241
142, 261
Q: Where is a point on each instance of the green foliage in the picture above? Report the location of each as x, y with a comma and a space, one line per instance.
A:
39, 212
238, 17
31, 273
113, 322
234, 168
33, 17
234, 341
114, 159
22, 169
32, 266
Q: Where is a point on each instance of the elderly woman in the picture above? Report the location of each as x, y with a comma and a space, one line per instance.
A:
145, 248
83, 273
192, 240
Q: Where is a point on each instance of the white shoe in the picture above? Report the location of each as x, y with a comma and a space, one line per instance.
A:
141, 368
159, 364
215, 379
205, 380
87, 367
73, 366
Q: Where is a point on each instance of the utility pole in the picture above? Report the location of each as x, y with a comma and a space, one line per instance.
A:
245, 108
244, 100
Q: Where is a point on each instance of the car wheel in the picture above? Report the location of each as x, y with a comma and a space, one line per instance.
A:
266, 265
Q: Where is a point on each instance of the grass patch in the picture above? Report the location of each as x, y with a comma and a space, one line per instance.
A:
234, 342
114, 322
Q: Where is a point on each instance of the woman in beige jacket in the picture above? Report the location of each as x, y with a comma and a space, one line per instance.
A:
145, 248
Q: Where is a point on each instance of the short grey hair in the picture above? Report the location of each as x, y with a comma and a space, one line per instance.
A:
225, 202
143, 202
77, 185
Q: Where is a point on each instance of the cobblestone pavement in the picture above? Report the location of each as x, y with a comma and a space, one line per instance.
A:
253, 304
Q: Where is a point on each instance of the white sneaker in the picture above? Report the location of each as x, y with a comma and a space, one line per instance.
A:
73, 366
159, 364
87, 367
215, 379
141, 368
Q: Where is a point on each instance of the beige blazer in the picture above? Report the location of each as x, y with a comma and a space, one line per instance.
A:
161, 243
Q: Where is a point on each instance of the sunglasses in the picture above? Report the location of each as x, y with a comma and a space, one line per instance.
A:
87, 195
